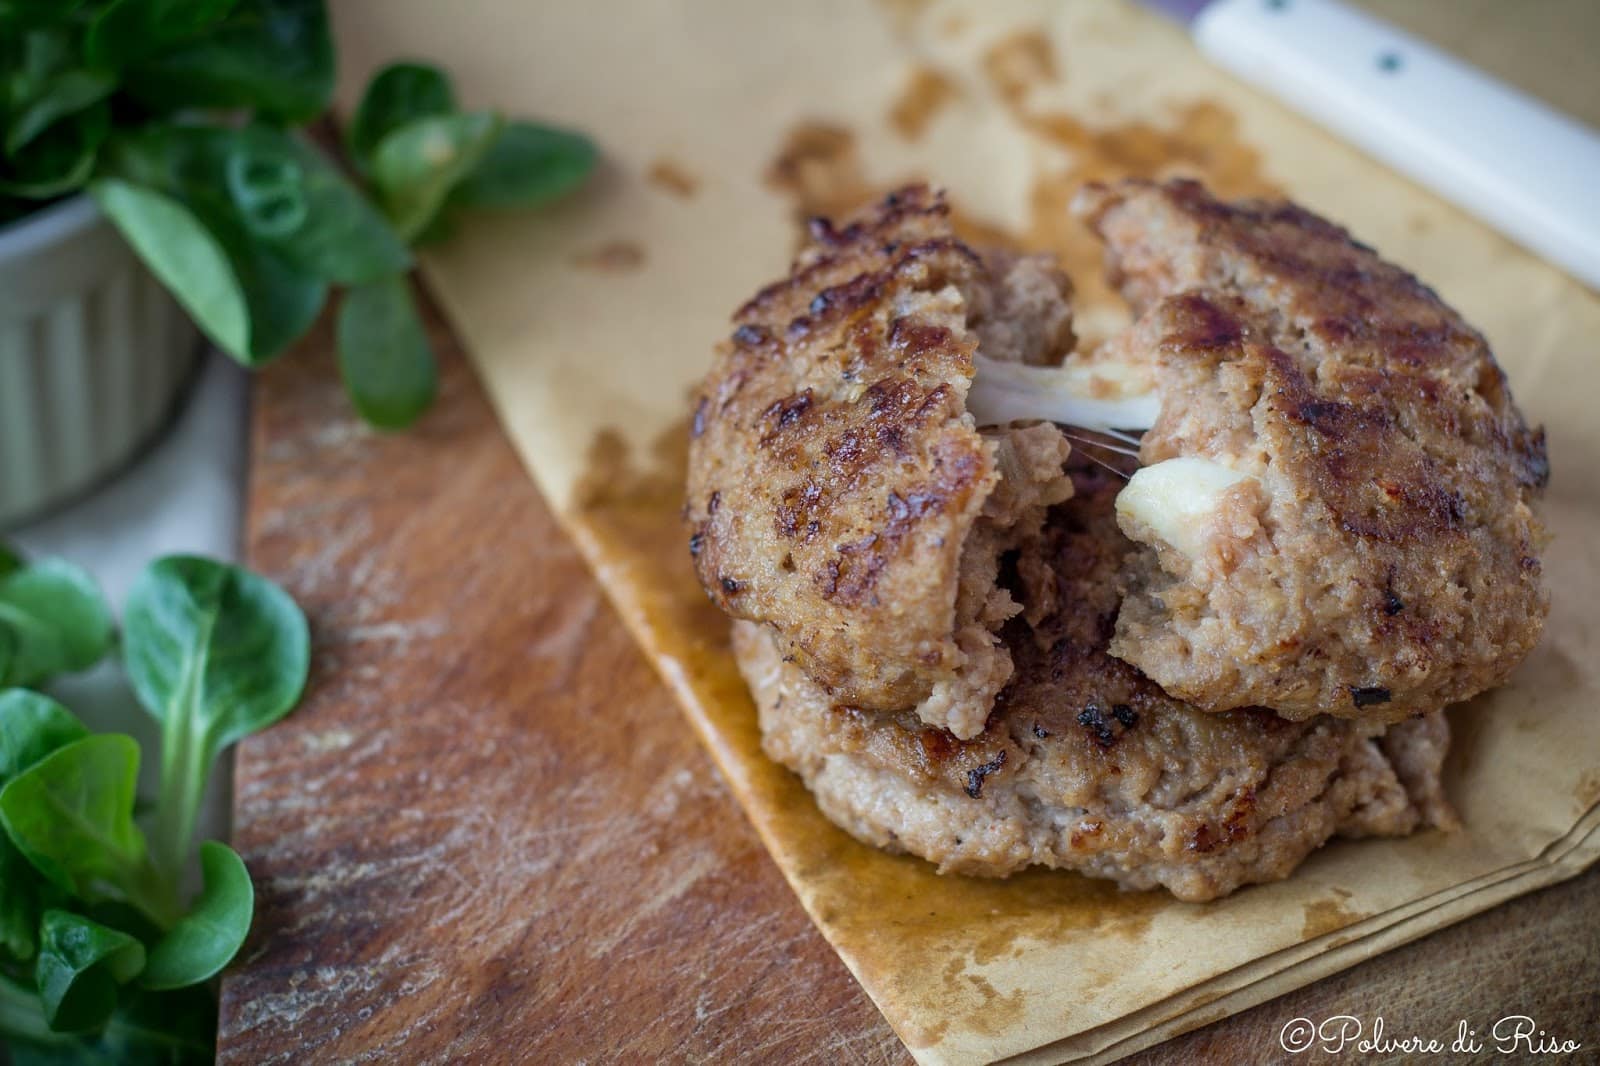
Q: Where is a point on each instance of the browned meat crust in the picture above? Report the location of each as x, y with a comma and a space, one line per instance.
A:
835, 478
1389, 564
1084, 764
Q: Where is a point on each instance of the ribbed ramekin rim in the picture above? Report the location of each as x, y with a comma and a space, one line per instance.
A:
58, 222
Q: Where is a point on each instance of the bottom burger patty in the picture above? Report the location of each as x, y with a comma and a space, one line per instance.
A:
1086, 765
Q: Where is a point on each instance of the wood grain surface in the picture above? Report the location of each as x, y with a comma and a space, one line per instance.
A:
488, 835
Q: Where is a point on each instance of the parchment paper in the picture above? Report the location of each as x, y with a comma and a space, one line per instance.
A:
720, 121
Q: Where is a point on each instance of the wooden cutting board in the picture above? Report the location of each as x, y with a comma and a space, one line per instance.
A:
488, 835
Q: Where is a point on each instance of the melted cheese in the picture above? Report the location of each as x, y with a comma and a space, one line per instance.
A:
1173, 500
1092, 395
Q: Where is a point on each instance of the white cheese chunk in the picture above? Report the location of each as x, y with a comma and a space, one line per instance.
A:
1091, 395
1175, 498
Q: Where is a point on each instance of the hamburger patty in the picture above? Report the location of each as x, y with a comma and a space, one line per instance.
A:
1086, 765
1346, 527
838, 490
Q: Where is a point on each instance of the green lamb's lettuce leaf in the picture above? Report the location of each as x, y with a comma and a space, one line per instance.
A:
60, 158
296, 202
147, 1029
19, 903
128, 31
36, 13
268, 190
53, 621
415, 167
272, 56
71, 816
80, 968
55, 113
385, 359
65, 94
283, 302
214, 653
397, 94
273, 191
36, 53
31, 727
527, 166
185, 255
22, 1017
207, 938
187, 164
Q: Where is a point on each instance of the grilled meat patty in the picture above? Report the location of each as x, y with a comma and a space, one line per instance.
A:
838, 491
1086, 765
1362, 544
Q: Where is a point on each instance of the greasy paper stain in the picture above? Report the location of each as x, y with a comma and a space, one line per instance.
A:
1326, 915
634, 515
819, 163
1588, 791
1015, 64
1201, 140
927, 92
613, 257
900, 922
674, 178
818, 167
628, 520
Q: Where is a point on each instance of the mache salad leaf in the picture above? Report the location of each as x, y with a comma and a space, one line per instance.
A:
53, 621
102, 958
214, 653
178, 117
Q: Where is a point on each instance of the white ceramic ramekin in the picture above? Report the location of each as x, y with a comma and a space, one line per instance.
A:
93, 356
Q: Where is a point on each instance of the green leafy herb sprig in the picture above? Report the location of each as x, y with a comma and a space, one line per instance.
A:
101, 957
176, 116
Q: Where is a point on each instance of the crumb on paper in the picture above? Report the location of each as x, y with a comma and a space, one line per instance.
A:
672, 177
612, 257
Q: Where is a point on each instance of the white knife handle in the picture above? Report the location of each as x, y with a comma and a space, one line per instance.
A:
1521, 166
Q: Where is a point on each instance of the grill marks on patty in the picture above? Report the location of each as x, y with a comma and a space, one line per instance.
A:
835, 479
1394, 466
